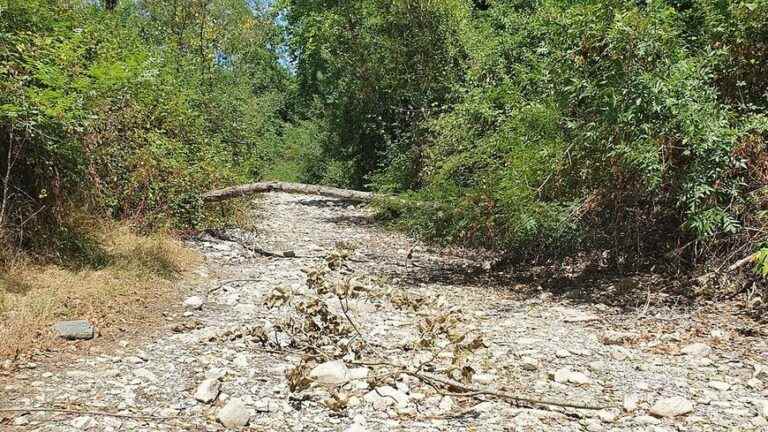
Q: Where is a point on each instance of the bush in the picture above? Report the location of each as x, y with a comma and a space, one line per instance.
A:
98, 108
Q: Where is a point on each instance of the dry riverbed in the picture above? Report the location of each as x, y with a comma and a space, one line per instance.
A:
236, 352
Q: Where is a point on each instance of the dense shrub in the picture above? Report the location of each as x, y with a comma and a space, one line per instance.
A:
633, 126
134, 111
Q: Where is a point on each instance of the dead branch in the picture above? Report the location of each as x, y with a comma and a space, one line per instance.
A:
742, 262
222, 235
229, 282
86, 412
475, 391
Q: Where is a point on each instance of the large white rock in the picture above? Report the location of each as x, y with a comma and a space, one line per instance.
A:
234, 414
671, 407
194, 303
330, 373
208, 390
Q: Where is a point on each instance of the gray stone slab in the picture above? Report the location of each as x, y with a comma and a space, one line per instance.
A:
74, 330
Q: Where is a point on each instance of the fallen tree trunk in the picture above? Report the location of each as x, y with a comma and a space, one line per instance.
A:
293, 188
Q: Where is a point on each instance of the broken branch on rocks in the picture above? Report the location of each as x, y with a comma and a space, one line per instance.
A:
440, 324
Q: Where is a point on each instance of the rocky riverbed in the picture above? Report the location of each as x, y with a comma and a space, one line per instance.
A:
225, 360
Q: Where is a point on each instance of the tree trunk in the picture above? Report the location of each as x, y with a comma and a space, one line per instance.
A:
294, 188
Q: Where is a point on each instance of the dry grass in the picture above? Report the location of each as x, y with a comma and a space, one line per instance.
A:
128, 288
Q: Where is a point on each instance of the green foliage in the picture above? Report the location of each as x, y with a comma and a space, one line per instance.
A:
762, 262
135, 111
547, 125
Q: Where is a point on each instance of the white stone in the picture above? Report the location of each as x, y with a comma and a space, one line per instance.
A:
330, 373
356, 427
566, 375
82, 423
608, 415
446, 404
762, 407
529, 364
234, 414
631, 402
21, 420
208, 390
719, 385
484, 379
385, 396
597, 366
696, 349
647, 420
216, 373
194, 303
594, 425
358, 373
241, 361
671, 407
145, 374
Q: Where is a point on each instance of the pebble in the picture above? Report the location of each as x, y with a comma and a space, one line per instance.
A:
594, 425
529, 364
631, 402
208, 390
194, 303
566, 375
330, 373
356, 427
21, 420
82, 423
484, 379
762, 407
597, 366
234, 414
360, 373
696, 349
385, 396
671, 407
647, 420
146, 374
719, 385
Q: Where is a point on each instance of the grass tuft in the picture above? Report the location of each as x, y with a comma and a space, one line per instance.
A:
134, 276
